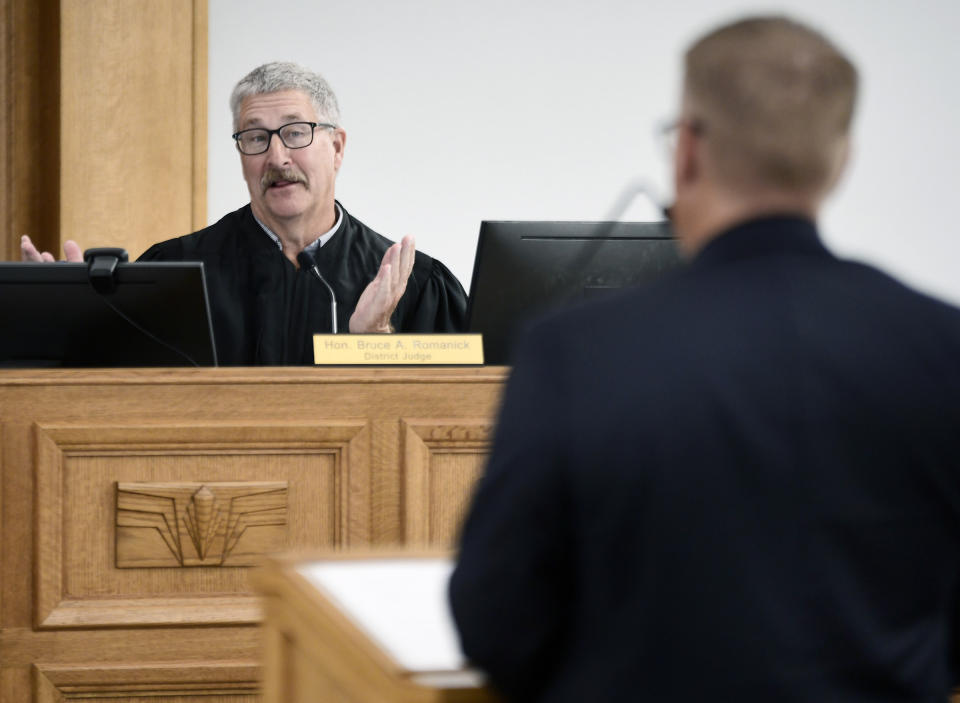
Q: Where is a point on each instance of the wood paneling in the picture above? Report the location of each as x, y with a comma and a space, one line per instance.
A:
79, 466
31, 129
6, 134
129, 122
106, 122
169, 664
215, 681
198, 133
367, 457
442, 461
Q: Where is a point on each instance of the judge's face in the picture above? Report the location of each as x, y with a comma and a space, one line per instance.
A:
288, 185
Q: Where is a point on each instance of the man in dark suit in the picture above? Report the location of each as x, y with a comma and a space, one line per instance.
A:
743, 482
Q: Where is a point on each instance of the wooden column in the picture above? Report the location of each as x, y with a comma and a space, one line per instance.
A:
105, 122
29, 165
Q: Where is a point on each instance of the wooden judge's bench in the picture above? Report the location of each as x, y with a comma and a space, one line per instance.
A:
133, 504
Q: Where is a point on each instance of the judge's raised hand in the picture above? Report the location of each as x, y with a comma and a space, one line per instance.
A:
380, 297
29, 252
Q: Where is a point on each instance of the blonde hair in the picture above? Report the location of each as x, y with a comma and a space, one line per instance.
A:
774, 100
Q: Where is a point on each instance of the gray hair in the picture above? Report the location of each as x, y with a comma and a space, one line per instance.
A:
278, 76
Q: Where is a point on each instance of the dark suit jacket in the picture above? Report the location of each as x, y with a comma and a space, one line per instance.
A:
739, 484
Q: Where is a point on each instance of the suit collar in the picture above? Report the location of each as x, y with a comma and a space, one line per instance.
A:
781, 234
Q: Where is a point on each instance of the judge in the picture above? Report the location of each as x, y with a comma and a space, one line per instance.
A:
266, 305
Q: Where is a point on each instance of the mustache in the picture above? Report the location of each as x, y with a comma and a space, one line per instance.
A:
273, 175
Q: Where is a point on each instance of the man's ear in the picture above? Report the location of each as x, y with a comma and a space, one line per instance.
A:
839, 166
339, 139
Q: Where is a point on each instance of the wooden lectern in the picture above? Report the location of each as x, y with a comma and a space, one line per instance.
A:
362, 629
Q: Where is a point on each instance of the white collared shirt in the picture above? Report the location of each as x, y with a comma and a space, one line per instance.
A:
312, 247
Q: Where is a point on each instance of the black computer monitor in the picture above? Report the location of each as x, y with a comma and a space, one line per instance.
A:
523, 269
157, 315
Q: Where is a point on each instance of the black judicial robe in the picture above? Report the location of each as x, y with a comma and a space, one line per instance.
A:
265, 310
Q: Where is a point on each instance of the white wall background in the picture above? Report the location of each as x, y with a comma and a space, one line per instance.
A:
459, 110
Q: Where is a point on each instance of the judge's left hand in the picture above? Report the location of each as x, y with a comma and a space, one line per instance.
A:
380, 297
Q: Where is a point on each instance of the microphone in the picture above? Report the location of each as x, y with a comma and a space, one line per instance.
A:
630, 192
307, 262
605, 228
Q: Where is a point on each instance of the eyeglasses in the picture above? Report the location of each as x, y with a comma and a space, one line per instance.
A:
668, 131
293, 135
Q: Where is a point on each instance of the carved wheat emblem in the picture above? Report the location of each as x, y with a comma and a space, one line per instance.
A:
199, 524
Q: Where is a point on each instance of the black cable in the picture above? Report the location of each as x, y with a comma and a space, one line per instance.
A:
149, 334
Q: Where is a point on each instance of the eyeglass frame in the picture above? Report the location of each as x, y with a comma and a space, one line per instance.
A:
271, 132
667, 130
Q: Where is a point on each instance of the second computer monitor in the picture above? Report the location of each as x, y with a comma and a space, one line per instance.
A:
524, 269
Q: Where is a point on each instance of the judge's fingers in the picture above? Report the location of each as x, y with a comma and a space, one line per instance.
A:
380, 285
401, 261
391, 280
408, 250
73, 251
391, 262
383, 303
29, 252
387, 258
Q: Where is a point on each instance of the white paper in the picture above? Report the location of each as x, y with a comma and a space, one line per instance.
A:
401, 604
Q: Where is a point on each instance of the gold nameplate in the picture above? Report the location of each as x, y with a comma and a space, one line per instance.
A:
387, 349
